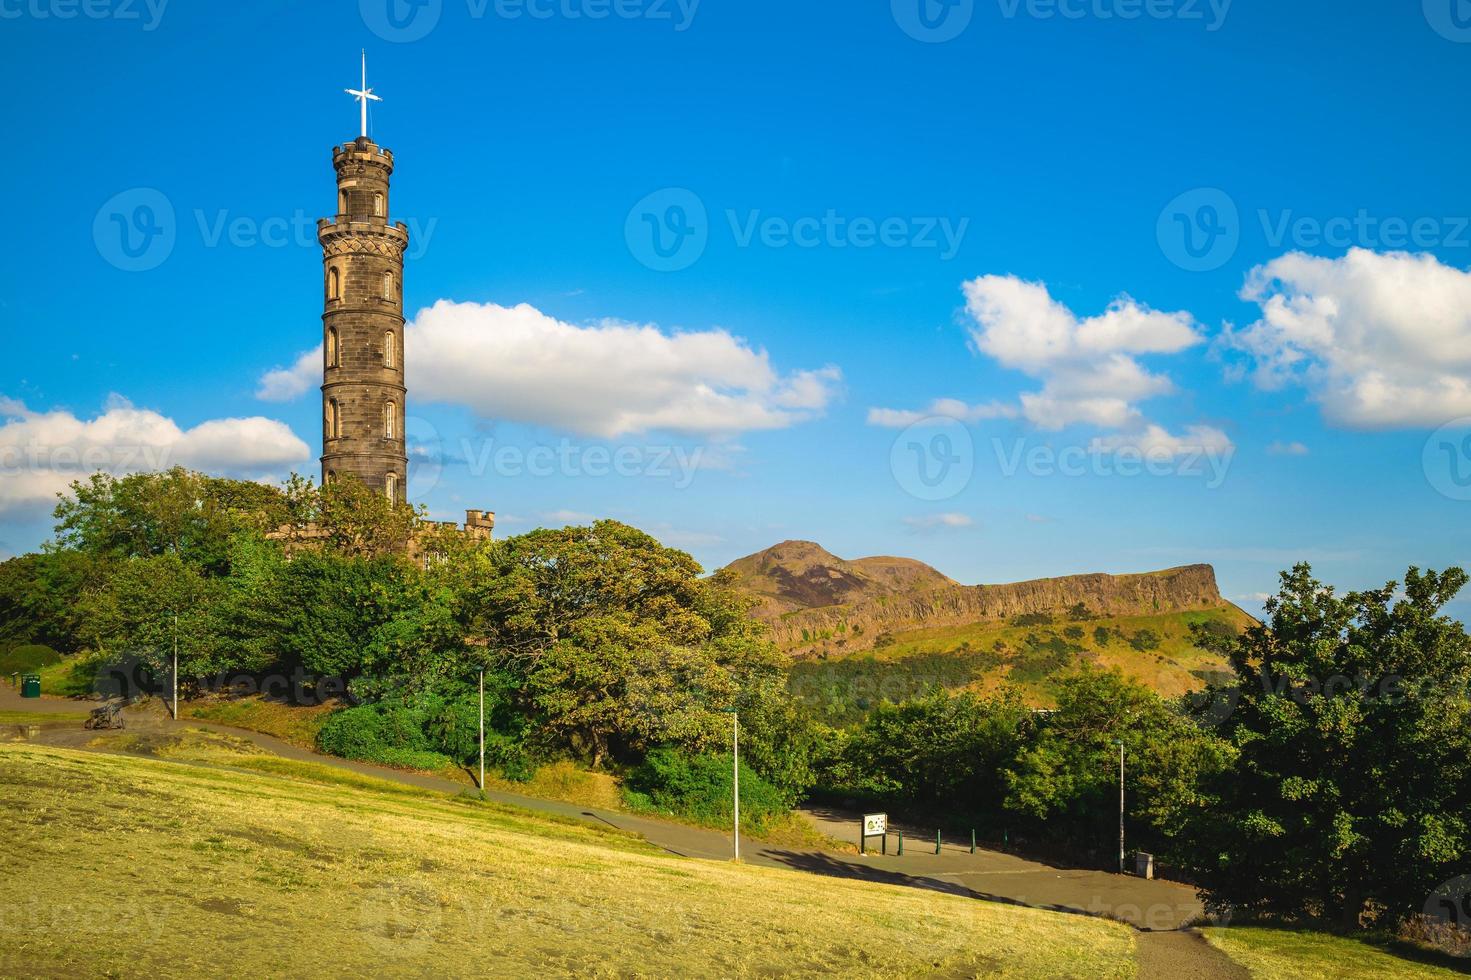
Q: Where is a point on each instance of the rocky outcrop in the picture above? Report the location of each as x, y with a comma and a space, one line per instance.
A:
807, 594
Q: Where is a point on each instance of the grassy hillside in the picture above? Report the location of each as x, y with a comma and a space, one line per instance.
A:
1280, 954
136, 866
1028, 652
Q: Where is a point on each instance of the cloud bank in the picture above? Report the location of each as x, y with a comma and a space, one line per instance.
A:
41, 453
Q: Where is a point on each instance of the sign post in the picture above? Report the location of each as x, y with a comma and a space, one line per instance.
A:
874, 825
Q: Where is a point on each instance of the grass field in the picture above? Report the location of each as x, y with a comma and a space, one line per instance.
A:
1157, 650
135, 866
1278, 954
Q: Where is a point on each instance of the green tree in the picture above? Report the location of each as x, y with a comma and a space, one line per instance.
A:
1352, 792
1066, 778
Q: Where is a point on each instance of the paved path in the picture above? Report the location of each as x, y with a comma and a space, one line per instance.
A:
1157, 908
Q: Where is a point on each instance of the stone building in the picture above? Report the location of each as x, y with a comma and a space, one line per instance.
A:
363, 391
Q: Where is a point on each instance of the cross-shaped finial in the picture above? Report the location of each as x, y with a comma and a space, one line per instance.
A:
364, 94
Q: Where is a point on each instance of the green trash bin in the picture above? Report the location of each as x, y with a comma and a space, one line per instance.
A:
30, 685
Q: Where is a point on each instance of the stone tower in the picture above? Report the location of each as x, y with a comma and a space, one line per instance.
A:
362, 325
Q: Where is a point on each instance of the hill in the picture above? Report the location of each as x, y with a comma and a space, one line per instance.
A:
888, 628
214, 872
799, 575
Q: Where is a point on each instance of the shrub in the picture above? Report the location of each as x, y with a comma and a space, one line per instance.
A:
1145, 640
698, 788
1032, 619
27, 657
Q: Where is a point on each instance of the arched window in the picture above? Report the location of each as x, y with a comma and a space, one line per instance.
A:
390, 350
334, 420
390, 420
377, 205
334, 283
388, 285
331, 477
390, 486
331, 347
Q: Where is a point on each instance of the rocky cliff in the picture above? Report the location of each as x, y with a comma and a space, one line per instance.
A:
806, 592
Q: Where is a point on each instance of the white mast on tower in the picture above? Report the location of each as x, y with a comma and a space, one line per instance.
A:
364, 94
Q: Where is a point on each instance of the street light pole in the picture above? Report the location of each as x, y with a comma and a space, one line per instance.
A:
176, 666
482, 732
735, 739
1121, 807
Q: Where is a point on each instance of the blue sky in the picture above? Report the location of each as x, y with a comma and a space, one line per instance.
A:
1051, 156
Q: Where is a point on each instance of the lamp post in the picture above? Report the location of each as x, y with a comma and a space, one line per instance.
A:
735, 769
482, 732
176, 666
1121, 807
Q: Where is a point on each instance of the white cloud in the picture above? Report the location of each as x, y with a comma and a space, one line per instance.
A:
286, 384
606, 380
1379, 340
1088, 367
567, 517
937, 522
898, 418
41, 453
1287, 449
1155, 442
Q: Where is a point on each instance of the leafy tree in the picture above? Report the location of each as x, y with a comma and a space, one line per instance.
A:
950, 750
1067, 776
177, 512
357, 520
620, 642
1352, 794
42, 597
149, 602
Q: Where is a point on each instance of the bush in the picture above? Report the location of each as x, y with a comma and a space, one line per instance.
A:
1032, 619
391, 734
698, 788
1145, 640
27, 657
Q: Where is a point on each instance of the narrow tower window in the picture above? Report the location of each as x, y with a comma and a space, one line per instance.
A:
377, 205
390, 354
390, 486
334, 283
342, 202
331, 347
390, 420
388, 285
334, 420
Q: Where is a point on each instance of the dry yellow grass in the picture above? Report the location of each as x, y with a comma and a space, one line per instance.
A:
137, 866
1279, 954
